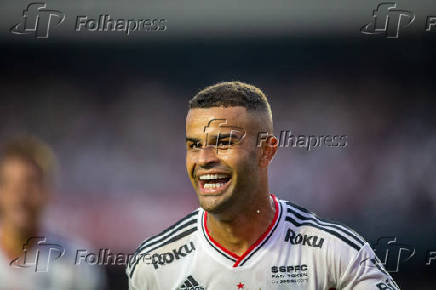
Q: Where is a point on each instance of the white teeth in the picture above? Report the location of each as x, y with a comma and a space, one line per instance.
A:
213, 185
213, 176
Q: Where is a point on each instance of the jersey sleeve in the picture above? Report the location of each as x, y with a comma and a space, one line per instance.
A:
365, 271
133, 285
137, 281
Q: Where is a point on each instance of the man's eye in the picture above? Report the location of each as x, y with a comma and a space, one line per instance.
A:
224, 142
227, 141
194, 145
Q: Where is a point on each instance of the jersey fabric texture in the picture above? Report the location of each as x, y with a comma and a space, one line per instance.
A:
297, 251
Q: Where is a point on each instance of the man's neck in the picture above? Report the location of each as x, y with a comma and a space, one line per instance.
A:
242, 231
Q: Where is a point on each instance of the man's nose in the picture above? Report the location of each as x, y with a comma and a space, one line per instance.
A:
208, 155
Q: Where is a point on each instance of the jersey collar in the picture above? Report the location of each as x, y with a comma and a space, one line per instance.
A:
239, 260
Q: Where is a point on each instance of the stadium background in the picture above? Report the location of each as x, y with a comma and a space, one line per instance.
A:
113, 106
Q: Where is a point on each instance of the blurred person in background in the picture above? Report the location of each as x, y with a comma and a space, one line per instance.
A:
30, 256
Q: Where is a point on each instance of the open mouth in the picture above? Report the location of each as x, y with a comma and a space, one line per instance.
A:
214, 183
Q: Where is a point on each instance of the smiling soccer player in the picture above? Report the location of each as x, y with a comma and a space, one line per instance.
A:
242, 236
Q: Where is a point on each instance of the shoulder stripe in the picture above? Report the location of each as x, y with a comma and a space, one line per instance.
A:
163, 238
323, 228
170, 228
299, 207
324, 224
175, 238
181, 224
172, 240
307, 215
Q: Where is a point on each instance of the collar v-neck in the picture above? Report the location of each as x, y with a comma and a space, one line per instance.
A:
239, 260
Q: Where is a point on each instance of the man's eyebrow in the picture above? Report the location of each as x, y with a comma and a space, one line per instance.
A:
227, 135
219, 135
193, 140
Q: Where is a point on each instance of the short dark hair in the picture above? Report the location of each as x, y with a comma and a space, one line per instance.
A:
231, 94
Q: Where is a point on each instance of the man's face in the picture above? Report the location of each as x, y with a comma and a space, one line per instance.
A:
22, 193
221, 156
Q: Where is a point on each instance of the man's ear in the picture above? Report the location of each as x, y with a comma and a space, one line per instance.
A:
269, 149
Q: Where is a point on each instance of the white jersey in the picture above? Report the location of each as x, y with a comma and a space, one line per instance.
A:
297, 251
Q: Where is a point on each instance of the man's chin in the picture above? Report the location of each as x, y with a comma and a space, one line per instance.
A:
214, 203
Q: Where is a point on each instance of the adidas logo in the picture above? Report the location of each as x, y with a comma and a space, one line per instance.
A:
190, 284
